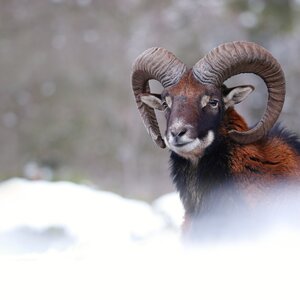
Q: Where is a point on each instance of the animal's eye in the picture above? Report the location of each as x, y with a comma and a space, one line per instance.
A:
213, 103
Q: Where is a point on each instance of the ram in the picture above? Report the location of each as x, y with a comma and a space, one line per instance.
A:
212, 148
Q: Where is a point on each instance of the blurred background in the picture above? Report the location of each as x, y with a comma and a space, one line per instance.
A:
66, 107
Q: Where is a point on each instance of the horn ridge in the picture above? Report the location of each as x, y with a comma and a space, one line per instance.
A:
163, 66
233, 58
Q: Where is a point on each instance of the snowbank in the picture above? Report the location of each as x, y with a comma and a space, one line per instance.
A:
65, 241
64, 214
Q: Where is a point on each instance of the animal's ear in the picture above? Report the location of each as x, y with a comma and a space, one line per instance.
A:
235, 95
152, 100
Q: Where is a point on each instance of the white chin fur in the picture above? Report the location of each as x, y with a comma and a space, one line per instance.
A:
193, 149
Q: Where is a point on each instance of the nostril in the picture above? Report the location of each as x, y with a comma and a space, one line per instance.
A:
182, 132
179, 132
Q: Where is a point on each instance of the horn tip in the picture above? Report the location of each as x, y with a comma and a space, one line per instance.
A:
246, 137
160, 142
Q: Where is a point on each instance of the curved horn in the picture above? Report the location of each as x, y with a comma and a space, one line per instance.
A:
244, 57
163, 66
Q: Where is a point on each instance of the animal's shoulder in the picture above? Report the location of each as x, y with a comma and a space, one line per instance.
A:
274, 157
286, 136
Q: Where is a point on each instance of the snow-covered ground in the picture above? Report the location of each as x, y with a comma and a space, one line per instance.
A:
66, 241
40, 216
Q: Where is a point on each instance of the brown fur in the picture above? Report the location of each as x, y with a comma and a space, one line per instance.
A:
259, 166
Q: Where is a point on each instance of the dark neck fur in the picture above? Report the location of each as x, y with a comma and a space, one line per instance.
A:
202, 185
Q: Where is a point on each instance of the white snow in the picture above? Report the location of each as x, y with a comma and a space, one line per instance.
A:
80, 213
67, 241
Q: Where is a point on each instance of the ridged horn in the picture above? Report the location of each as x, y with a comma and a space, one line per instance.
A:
233, 58
163, 66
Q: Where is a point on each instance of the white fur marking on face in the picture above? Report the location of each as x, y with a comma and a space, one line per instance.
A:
208, 139
193, 146
204, 100
177, 124
169, 101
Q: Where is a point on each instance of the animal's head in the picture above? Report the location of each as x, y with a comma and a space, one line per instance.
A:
194, 100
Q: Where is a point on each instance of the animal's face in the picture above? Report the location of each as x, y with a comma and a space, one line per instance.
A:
193, 113
194, 100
